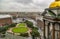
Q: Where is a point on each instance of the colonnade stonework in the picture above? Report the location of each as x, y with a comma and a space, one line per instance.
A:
51, 32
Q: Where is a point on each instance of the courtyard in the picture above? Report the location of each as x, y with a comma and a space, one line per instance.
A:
20, 28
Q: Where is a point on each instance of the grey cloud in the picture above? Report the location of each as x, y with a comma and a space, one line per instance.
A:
24, 5
23, 1
43, 4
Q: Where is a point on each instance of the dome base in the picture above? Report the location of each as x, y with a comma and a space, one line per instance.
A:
55, 4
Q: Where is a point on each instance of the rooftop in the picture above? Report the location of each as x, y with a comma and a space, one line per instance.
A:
5, 16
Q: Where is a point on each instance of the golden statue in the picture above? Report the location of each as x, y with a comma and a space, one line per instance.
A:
55, 4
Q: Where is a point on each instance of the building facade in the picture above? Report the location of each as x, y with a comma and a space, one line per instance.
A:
5, 19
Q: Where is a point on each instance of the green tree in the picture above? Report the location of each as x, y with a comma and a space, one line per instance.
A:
12, 25
29, 24
3, 30
35, 34
24, 34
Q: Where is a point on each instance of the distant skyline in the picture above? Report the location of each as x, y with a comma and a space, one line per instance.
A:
24, 5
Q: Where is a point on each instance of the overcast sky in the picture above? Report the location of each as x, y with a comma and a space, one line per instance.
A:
24, 5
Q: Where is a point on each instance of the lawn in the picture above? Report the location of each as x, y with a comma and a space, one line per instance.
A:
20, 29
21, 25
